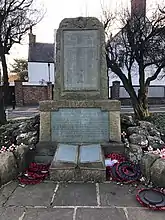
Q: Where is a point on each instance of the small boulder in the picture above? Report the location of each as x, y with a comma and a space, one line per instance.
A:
155, 142
145, 164
25, 137
145, 124
8, 167
20, 155
33, 140
137, 130
134, 153
158, 173
151, 128
138, 139
154, 132
127, 120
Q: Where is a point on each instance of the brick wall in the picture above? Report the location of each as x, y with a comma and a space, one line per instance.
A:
32, 94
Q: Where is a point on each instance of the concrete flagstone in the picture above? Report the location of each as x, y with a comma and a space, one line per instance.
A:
145, 214
100, 214
6, 191
49, 214
72, 201
76, 194
12, 213
112, 194
33, 195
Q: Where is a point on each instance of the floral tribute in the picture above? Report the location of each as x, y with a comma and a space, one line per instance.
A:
11, 148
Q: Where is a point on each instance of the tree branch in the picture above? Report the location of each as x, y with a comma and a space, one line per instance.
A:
155, 75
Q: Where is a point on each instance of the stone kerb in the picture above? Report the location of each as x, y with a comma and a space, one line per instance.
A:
94, 86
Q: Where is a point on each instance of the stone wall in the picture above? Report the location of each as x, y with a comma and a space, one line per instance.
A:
32, 94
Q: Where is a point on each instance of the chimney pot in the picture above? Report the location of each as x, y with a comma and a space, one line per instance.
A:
32, 37
138, 7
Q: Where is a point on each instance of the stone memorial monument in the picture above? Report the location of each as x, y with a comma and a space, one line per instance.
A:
80, 118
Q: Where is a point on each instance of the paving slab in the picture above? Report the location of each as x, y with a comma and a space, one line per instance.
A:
100, 214
76, 194
6, 191
144, 214
33, 195
49, 214
13, 213
112, 195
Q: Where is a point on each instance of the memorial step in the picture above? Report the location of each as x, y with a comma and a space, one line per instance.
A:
78, 163
44, 152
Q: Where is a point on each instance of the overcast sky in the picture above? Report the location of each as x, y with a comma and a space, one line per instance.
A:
56, 11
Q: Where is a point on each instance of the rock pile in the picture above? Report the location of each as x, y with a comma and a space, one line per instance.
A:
139, 137
21, 131
17, 139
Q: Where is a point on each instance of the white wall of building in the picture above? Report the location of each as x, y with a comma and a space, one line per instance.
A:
156, 88
38, 72
135, 76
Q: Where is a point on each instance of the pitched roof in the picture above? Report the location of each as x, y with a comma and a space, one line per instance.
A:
41, 52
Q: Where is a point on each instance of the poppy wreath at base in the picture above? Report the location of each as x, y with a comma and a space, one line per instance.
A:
34, 167
116, 156
128, 171
114, 174
125, 172
111, 170
36, 173
29, 181
151, 198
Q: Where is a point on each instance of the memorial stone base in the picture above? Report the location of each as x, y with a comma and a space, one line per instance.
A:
79, 129
78, 163
72, 121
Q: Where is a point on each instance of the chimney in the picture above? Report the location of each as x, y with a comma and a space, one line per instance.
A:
32, 37
138, 8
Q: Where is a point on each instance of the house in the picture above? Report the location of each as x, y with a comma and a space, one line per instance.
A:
138, 7
40, 61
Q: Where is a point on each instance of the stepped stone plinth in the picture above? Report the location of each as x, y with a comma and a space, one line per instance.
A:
78, 163
80, 118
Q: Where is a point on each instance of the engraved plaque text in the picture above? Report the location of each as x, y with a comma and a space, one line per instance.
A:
79, 125
81, 60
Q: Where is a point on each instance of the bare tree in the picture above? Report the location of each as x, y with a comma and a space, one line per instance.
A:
139, 44
16, 18
2, 110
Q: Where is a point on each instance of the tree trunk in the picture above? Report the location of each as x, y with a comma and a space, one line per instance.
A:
141, 106
5, 79
2, 110
140, 112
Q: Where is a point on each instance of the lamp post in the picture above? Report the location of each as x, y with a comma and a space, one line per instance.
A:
49, 71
